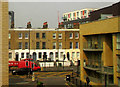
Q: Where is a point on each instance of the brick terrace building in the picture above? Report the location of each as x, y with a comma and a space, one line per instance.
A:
52, 42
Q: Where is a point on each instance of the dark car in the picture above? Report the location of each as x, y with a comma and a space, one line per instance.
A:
22, 71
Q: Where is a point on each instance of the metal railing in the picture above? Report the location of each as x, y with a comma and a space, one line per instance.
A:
108, 69
93, 63
93, 45
94, 79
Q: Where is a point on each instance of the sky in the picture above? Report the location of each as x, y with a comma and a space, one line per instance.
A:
40, 12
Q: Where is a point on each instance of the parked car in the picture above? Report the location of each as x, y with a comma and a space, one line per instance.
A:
22, 71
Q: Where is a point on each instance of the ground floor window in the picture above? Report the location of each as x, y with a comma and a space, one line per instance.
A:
27, 55
10, 55
22, 55
40, 55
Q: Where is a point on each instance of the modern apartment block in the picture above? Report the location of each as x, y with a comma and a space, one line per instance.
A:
78, 14
99, 51
51, 42
72, 20
4, 74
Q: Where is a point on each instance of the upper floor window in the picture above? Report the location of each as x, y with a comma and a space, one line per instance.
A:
71, 45
37, 45
60, 45
43, 45
20, 45
26, 45
71, 35
9, 45
77, 13
9, 36
43, 35
118, 63
60, 36
54, 45
37, 35
118, 40
77, 45
76, 35
20, 35
26, 35
54, 35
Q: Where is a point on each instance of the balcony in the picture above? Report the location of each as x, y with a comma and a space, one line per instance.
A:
93, 65
108, 70
92, 46
93, 79
64, 18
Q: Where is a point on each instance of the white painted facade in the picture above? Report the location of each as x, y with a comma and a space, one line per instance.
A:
78, 14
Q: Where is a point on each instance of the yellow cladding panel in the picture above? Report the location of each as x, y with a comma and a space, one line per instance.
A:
101, 26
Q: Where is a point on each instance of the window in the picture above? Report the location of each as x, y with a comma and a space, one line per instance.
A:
77, 13
20, 35
85, 11
78, 54
54, 35
54, 45
37, 35
43, 35
20, 45
26, 35
60, 45
71, 45
61, 54
118, 63
26, 45
43, 45
40, 55
77, 45
27, 55
10, 55
22, 55
73, 55
118, 41
60, 36
76, 35
71, 35
9, 36
9, 45
74, 14
37, 45
56, 54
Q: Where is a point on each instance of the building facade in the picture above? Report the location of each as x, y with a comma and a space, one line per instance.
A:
99, 47
4, 72
78, 14
51, 42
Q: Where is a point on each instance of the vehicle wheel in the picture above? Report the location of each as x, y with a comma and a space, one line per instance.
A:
13, 73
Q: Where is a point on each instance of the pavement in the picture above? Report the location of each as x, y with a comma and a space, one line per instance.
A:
51, 77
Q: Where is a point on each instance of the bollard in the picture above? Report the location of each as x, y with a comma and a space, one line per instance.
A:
41, 68
33, 77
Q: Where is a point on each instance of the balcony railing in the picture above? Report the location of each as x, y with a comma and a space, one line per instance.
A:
108, 70
95, 64
64, 18
94, 79
92, 45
